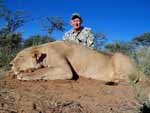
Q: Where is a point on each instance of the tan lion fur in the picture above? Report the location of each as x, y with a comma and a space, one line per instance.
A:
63, 59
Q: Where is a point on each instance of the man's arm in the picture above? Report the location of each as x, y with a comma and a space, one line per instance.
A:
90, 39
65, 36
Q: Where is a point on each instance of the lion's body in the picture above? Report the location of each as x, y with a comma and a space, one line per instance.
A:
61, 59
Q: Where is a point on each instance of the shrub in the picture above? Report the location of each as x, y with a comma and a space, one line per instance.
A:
37, 40
141, 57
5, 59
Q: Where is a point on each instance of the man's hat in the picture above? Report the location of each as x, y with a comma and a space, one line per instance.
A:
75, 15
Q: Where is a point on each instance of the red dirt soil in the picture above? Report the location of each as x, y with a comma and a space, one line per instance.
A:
65, 96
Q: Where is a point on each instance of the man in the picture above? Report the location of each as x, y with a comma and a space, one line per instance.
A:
79, 34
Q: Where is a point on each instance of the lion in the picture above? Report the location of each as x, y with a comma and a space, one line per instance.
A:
67, 60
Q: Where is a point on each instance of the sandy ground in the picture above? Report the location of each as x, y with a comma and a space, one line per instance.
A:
65, 96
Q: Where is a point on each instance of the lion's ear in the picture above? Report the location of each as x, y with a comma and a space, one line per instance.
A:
35, 55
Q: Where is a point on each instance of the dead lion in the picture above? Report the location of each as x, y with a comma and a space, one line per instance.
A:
67, 60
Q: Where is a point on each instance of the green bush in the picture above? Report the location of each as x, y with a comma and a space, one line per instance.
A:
142, 59
37, 40
142, 95
120, 46
5, 59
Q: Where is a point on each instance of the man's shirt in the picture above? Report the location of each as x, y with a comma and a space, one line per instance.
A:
84, 37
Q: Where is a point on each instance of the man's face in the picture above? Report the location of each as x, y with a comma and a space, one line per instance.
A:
76, 23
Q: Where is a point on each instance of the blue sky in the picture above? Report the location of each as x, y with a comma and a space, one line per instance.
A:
117, 19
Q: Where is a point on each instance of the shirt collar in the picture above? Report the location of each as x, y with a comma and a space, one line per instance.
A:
72, 31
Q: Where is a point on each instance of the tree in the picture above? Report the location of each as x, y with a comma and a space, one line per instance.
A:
53, 23
10, 40
13, 20
142, 40
120, 46
36, 40
99, 41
